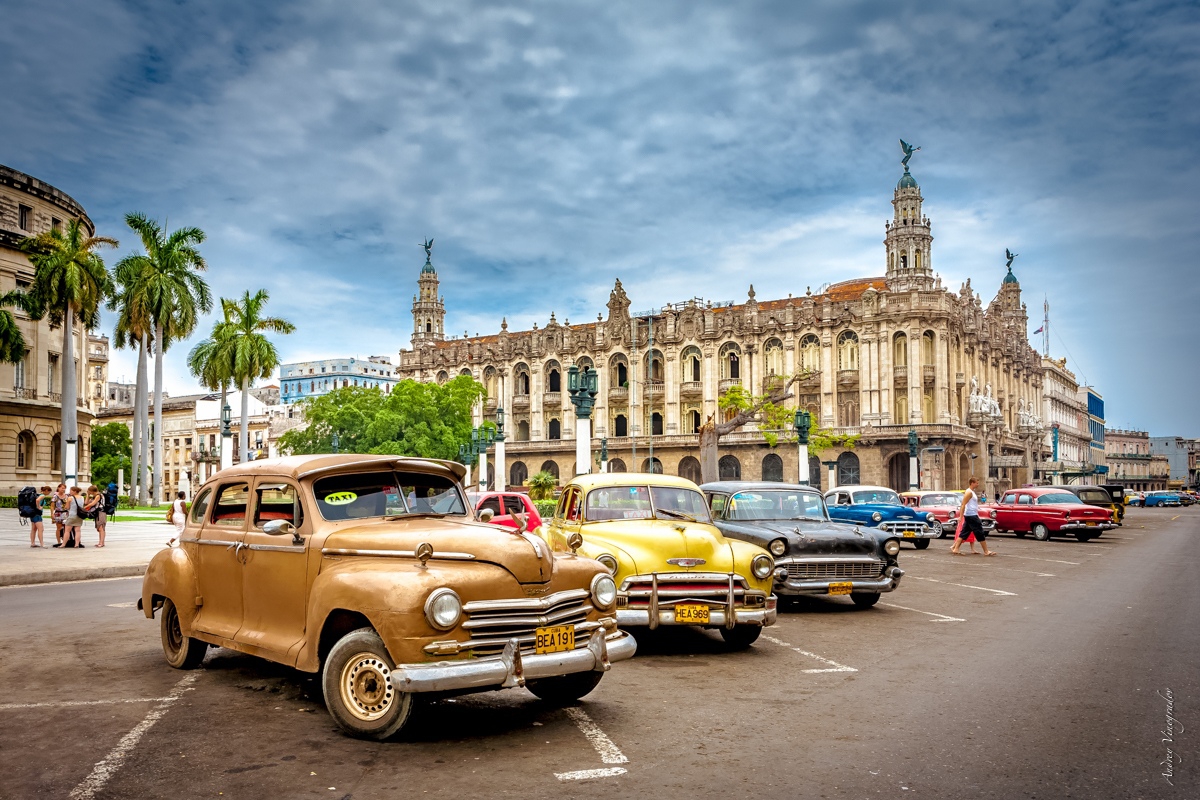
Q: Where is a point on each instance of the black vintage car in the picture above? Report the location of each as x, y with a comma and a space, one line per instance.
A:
813, 555
1098, 496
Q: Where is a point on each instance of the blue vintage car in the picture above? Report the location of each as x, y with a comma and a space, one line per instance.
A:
880, 507
813, 555
1161, 499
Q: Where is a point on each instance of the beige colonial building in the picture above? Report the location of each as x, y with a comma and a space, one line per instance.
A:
1068, 438
31, 391
881, 356
1130, 462
97, 373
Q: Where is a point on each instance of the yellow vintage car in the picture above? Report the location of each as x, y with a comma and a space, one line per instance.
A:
671, 564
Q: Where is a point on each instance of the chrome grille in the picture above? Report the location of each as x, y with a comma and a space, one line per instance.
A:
674, 587
830, 570
900, 527
492, 623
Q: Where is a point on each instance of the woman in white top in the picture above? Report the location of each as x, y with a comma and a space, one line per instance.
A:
179, 511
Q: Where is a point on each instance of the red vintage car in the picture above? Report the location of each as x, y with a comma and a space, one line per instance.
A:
504, 505
1045, 512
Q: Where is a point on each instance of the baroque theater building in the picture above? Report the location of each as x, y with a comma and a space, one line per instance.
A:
880, 357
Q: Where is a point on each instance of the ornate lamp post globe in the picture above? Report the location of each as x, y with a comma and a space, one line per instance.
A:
803, 425
336, 442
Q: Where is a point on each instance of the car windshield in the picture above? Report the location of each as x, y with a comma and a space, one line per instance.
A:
941, 499
876, 496
645, 502
364, 495
1094, 497
776, 504
1057, 498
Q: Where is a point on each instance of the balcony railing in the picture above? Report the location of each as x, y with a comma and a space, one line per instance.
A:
900, 374
691, 389
728, 383
652, 389
928, 373
847, 377
520, 402
25, 393
618, 394
55, 397
552, 400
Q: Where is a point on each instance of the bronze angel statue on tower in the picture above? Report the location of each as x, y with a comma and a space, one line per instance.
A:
908, 151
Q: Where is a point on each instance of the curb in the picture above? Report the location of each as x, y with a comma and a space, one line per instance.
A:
67, 575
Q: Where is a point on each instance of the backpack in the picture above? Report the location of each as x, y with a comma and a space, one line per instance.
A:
27, 502
110, 499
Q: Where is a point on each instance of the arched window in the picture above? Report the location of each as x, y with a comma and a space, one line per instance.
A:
619, 371
689, 469
900, 350
810, 353
731, 363
656, 424
772, 468
56, 453
523, 431
620, 425
553, 377
521, 380
729, 468
848, 409
927, 349
652, 466
691, 360
692, 421
616, 465
904, 259
518, 474
814, 472
900, 417
847, 348
465, 371
429, 327
26, 447
927, 408
653, 365
491, 383
917, 259
443, 376
847, 469
551, 467
773, 357
554, 429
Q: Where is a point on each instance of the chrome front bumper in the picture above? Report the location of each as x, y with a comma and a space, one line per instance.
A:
724, 612
902, 530
512, 668
888, 582
1083, 526
640, 617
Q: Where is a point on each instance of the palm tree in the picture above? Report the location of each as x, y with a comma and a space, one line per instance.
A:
254, 356
133, 326
212, 360
12, 341
69, 284
174, 294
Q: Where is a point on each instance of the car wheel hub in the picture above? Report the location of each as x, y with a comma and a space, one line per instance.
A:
367, 690
174, 632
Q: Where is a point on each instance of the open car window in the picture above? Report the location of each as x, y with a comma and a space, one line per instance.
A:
513, 505
1058, 498
776, 504
876, 496
277, 501
366, 495
230, 508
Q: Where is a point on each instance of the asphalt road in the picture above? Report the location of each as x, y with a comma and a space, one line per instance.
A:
1044, 672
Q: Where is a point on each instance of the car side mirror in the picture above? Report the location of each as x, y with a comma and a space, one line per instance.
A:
486, 515
281, 527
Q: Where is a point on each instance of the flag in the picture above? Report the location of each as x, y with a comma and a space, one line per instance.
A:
1039, 330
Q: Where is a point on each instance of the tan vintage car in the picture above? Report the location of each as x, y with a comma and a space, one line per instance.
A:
373, 571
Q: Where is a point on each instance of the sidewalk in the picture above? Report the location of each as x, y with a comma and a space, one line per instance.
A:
128, 547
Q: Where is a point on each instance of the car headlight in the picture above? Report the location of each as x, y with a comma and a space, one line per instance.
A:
761, 566
604, 591
877, 517
930, 518
443, 609
609, 562
891, 547
777, 547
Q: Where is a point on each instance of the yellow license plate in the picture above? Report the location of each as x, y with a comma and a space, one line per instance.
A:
909, 534
1092, 524
691, 614
556, 639
841, 587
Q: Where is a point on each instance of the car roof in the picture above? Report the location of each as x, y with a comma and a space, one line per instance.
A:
923, 492
855, 487
599, 479
1037, 491
733, 487
305, 466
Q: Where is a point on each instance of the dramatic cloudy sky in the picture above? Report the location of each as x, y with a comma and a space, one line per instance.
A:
688, 148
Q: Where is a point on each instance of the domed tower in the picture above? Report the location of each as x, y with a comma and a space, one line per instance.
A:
1010, 288
908, 238
428, 309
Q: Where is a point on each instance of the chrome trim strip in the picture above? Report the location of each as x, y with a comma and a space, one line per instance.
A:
343, 551
783, 562
716, 618
222, 542
526, 603
820, 588
538, 620
278, 548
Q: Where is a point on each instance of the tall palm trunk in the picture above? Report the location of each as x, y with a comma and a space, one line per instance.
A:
70, 426
158, 437
244, 434
220, 423
142, 391
135, 478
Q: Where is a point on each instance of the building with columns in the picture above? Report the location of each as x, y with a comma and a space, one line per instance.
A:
880, 356
1068, 429
1131, 463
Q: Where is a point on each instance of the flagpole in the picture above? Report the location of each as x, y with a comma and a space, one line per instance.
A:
1046, 328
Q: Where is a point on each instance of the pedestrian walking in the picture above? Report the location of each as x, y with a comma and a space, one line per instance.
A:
970, 536
179, 510
36, 526
58, 511
969, 513
73, 519
94, 506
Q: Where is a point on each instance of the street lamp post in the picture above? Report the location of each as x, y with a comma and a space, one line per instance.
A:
479, 448
336, 442
465, 456
802, 423
831, 466
914, 478
581, 385
226, 438
501, 466
604, 454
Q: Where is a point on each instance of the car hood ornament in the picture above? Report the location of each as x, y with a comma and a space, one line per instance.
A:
687, 562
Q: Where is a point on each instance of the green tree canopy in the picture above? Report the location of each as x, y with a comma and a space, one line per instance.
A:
417, 419
112, 439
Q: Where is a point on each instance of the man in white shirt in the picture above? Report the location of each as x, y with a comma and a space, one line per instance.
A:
968, 512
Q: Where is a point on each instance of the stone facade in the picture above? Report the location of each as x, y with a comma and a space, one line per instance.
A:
1130, 462
880, 356
31, 392
304, 379
95, 394
1065, 414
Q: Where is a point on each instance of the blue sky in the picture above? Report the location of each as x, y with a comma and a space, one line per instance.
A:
688, 148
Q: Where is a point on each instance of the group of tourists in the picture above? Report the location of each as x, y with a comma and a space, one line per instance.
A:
68, 509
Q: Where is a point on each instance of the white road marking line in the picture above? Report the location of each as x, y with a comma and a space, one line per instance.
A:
1051, 560
991, 566
130, 604
107, 767
965, 586
587, 774
836, 667
66, 703
609, 752
941, 617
